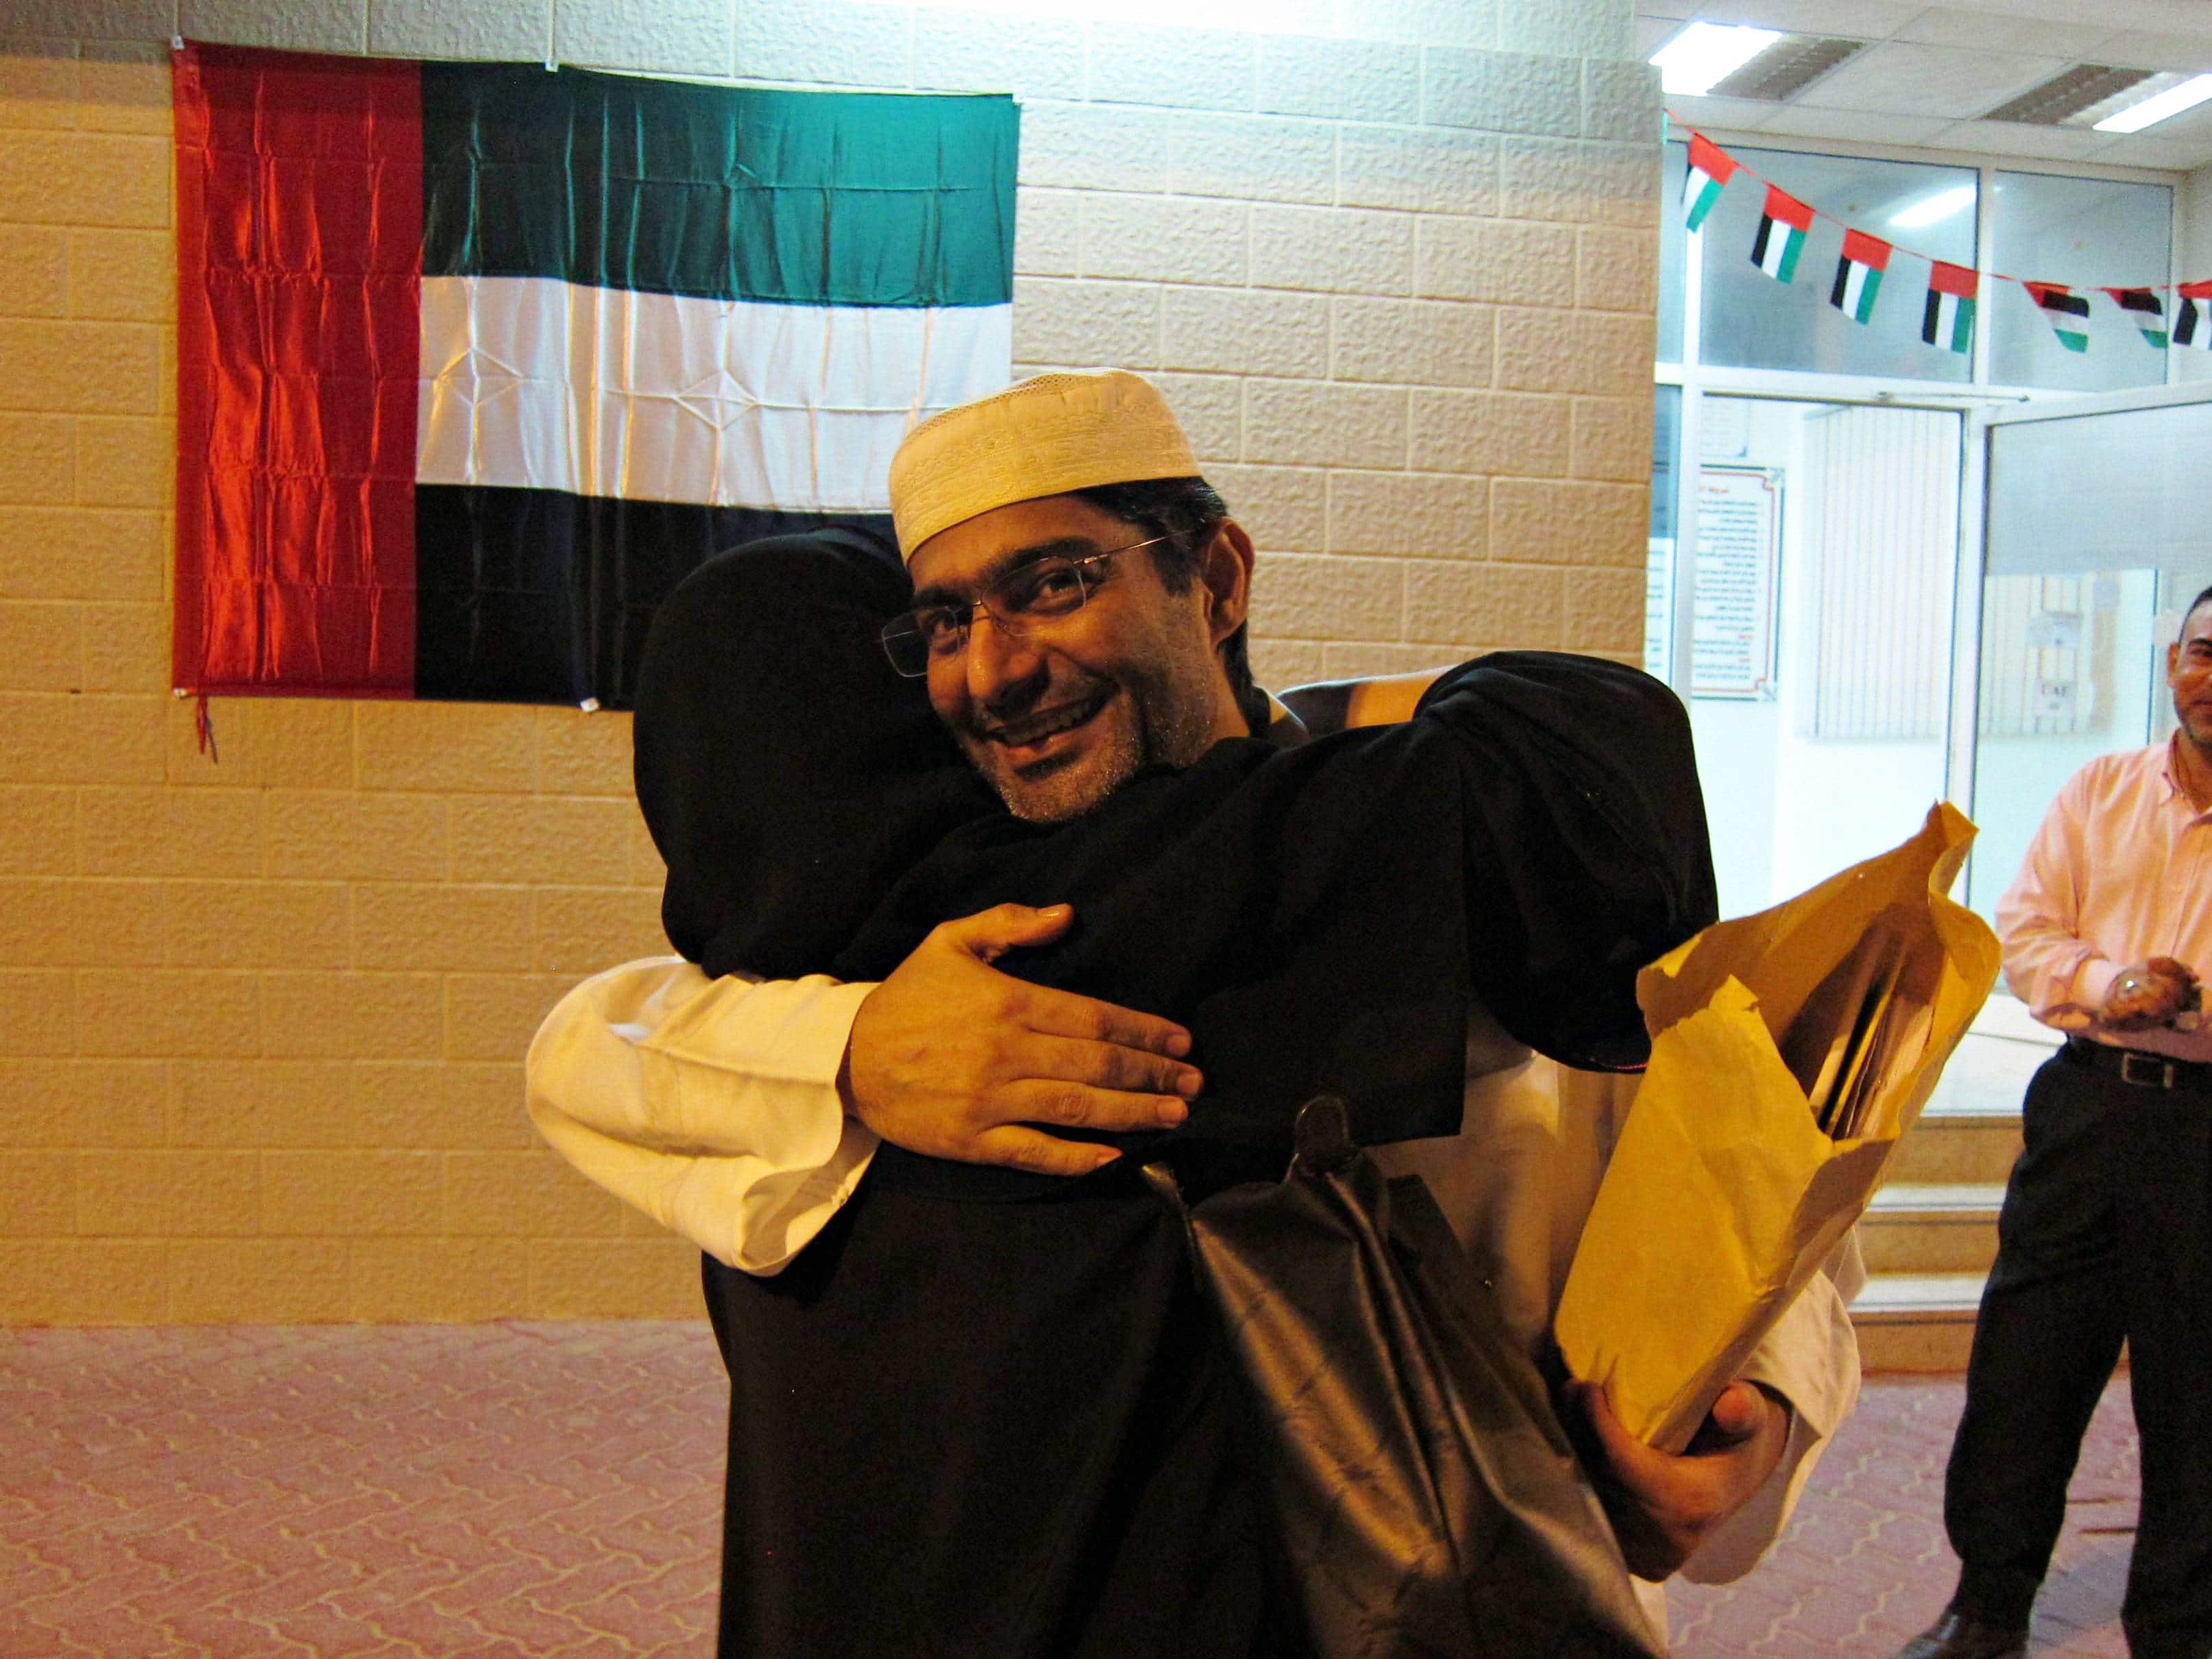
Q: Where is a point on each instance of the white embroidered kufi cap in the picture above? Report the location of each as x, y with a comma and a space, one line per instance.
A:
1043, 436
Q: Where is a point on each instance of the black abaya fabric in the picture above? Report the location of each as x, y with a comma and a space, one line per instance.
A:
1001, 1429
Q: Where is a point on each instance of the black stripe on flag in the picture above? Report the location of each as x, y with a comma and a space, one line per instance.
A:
2071, 305
2189, 317
2139, 300
537, 596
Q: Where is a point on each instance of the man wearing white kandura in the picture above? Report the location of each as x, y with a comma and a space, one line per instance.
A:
745, 1115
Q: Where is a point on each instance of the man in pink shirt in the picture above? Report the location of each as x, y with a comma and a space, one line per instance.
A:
2106, 1232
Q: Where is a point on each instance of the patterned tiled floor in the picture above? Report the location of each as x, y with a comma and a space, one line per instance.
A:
551, 1490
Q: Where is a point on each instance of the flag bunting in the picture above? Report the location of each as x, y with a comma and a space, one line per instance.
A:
1711, 169
2143, 305
1858, 275
2192, 316
1947, 318
2067, 312
1783, 227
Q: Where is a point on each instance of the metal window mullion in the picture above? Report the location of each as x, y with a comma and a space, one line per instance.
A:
1689, 423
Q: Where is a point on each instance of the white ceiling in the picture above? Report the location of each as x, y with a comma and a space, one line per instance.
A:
1933, 70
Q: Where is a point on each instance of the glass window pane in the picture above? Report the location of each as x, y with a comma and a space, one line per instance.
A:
1673, 240
2080, 232
2097, 543
1659, 568
1751, 321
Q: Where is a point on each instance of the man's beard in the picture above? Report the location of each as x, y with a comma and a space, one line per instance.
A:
1167, 721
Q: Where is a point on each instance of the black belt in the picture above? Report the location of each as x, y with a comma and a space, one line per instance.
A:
2143, 1069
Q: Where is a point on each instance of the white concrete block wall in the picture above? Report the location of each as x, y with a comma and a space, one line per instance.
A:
261, 1022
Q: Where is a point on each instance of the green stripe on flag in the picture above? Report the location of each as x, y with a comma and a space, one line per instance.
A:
718, 192
1701, 190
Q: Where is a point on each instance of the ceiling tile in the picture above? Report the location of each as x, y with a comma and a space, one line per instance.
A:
1672, 11
2173, 16
2141, 149
1902, 79
1944, 26
1721, 114
2158, 52
1653, 33
2036, 143
1800, 121
1865, 20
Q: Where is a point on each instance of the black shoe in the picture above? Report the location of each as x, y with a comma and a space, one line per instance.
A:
1960, 1636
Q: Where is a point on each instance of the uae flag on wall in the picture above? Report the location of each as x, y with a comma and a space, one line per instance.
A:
1710, 169
2142, 305
2068, 313
1947, 320
476, 361
1782, 231
2192, 316
1858, 275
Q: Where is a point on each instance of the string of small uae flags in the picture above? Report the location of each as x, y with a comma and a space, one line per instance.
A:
1946, 318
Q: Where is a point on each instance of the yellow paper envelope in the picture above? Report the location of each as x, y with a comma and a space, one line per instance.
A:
1725, 1195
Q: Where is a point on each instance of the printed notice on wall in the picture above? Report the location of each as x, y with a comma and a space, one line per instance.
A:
1739, 542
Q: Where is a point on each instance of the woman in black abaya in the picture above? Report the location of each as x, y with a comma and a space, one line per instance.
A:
983, 1413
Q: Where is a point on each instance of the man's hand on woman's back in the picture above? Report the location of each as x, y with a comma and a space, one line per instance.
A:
951, 1058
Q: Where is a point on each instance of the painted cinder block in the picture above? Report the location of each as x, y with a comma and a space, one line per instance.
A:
1177, 68
84, 179
1284, 508
1332, 250
158, 1192
258, 1281
352, 1192
122, 86
258, 1104
1252, 158
126, 648
1328, 596
1048, 232
579, 930
1210, 408
57, 738
1613, 439
994, 51
1503, 91
84, 1281
1578, 351
1592, 526
1414, 342
1165, 238
1508, 260
121, 276
1581, 182
125, 460
1604, 611
1086, 325
300, 25
38, 468
62, 1103
447, 747
1094, 147
1617, 269
1338, 79
1312, 423
1240, 332
38, 1193
53, 552
513, 30
403, 926
824, 41
528, 1194
35, 269
395, 1016
1583, 29
1621, 101
1428, 169
1425, 515
41, 646
255, 924
1509, 604
357, 837
1491, 433
1281, 664
494, 1015
574, 840
152, 831
37, 830
617, 1279
452, 1105
149, 1013
445, 1280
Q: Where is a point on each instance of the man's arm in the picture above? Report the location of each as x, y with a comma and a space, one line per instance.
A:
742, 1116
2066, 982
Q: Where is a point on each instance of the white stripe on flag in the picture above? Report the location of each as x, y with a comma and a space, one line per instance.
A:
1855, 287
535, 384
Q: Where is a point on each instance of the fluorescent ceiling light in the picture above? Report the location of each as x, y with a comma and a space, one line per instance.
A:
1704, 54
1929, 209
2174, 99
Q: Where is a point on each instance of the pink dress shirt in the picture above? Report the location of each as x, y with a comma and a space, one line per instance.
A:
2120, 871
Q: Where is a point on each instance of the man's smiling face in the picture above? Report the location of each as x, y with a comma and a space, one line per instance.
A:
1060, 715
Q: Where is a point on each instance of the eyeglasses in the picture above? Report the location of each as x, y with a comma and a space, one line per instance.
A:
1016, 602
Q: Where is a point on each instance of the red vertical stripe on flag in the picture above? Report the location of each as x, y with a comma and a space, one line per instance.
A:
299, 235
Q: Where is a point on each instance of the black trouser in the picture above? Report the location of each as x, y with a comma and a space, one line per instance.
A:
2107, 1235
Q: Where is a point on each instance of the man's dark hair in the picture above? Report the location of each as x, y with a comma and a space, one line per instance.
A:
2200, 599
1186, 511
